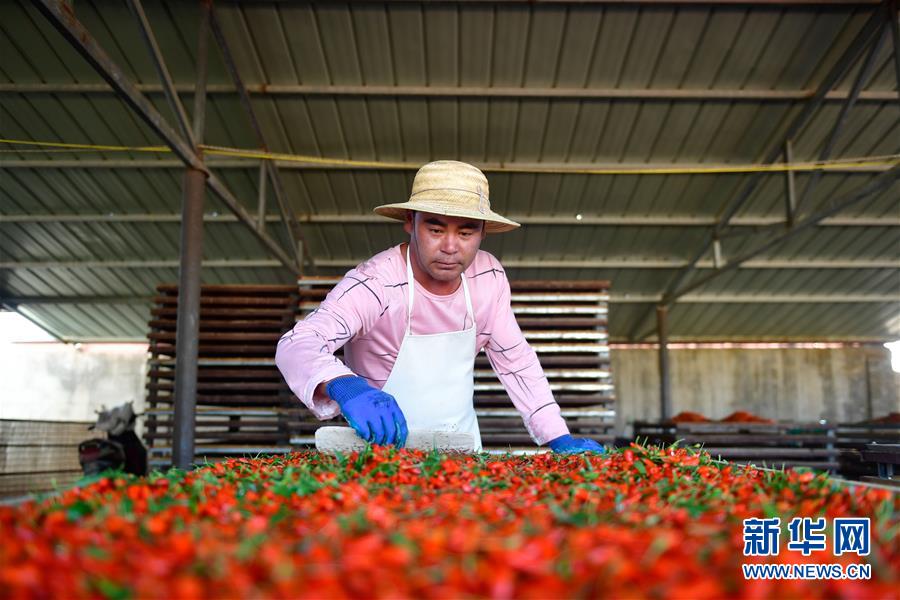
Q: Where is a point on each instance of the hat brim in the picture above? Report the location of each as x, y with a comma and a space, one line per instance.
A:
493, 223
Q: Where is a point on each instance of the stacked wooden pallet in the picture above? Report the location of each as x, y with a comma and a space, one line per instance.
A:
37, 456
776, 445
243, 404
853, 439
311, 292
886, 458
565, 322
244, 407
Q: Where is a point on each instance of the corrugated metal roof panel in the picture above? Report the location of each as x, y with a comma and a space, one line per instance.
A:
517, 45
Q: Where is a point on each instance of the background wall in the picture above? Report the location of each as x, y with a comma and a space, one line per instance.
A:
69, 382
841, 384
48, 391
62, 382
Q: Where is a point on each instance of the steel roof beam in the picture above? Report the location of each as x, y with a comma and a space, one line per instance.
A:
202, 69
538, 168
865, 70
137, 9
883, 181
629, 2
603, 263
60, 15
859, 44
292, 228
894, 24
834, 76
790, 186
545, 220
669, 94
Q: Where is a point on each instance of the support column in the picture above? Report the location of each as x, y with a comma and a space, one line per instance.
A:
790, 189
894, 25
665, 384
261, 201
188, 325
187, 334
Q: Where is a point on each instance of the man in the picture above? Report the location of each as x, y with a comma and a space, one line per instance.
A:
412, 319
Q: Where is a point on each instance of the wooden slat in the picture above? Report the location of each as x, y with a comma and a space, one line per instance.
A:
313, 292
17, 432
559, 296
220, 362
229, 450
30, 483
272, 374
219, 349
773, 453
560, 360
554, 386
565, 335
823, 465
241, 301
216, 421
223, 400
781, 439
563, 374
843, 441
564, 400
232, 411
594, 349
227, 386
895, 483
39, 457
243, 289
496, 439
567, 284
569, 413
219, 324
486, 423
888, 454
551, 321
237, 313
228, 437
270, 337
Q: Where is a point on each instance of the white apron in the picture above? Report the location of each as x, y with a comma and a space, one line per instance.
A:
433, 379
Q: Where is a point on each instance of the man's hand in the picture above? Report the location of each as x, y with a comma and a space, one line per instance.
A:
373, 414
566, 444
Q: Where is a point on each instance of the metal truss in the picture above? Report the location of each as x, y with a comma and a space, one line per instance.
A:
870, 35
400, 91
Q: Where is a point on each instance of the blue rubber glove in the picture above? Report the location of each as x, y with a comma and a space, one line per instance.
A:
373, 414
566, 444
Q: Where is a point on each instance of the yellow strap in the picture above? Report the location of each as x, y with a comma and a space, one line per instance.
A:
846, 163
95, 147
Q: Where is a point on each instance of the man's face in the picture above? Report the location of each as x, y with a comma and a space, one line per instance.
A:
444, 246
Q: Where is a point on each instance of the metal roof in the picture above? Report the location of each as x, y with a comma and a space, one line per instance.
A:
517, 87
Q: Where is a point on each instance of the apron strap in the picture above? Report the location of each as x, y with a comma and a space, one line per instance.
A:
469, 310
410, 284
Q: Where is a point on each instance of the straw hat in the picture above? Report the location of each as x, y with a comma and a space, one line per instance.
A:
452, 188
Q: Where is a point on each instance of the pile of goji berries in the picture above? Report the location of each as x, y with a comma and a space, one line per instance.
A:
636, 522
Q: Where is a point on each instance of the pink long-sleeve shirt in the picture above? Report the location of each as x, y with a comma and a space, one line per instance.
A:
366, 313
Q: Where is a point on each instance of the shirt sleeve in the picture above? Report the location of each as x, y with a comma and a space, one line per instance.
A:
518, 368
305, 354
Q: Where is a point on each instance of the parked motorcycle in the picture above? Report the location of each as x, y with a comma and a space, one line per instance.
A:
121, 449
